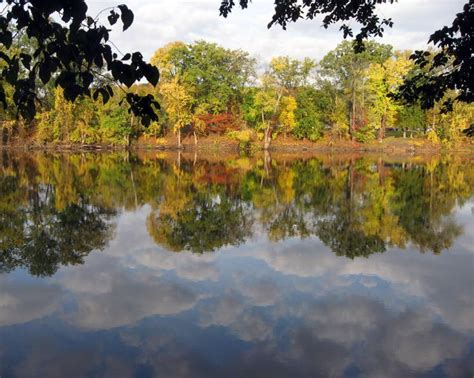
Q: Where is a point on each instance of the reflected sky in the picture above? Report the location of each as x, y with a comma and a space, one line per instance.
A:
258, 306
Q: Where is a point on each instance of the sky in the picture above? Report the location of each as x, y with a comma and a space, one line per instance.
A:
158, 22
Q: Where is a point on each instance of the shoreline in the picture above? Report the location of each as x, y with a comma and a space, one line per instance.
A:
223, 144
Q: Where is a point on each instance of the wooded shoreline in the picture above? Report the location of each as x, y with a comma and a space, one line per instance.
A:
397, 146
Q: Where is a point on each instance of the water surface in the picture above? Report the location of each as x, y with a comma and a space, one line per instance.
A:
153, 264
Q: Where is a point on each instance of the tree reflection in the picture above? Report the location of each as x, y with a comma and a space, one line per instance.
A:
426, 197
198, 216
342, 229
40, 233
55, 209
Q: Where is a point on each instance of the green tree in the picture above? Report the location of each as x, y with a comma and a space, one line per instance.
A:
291, 73
384, 80
449, 68
115, 125
308, 119
266, 102
338, 118
347, 69
214, 76
411, 119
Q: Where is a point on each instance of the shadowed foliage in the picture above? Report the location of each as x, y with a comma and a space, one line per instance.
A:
71, 49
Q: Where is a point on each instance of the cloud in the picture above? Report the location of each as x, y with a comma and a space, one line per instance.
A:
260, 293
186, 265
24, 302
410, 273
415, 341
230, 311
130, 300
300, 309
308, 258
134, 248
157, 23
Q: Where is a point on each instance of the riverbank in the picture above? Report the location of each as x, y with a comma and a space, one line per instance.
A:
223, 143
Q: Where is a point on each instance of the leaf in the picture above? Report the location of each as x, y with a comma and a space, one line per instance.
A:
6, 38
126, 16
72, 92
26, 60
45, 72
113, 17
151, 73
87, 79
3, 99
4, 57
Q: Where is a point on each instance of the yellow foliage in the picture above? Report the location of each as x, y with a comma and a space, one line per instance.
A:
432, 136
287, 114
177, 103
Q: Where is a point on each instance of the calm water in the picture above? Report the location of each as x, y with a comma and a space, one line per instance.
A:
153, 265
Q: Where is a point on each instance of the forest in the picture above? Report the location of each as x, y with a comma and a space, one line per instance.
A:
206, 89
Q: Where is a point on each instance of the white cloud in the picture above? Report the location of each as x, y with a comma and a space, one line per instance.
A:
157, 23
24, 302
122, 305
408, 272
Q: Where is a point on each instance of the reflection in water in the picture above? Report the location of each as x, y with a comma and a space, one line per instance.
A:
48, 220
56, 209
274, 298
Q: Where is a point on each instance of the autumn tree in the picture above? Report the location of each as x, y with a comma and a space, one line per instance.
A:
178, 104
345, 68
384, 79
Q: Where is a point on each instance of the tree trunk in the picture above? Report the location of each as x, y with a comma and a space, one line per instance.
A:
179, 138
179, 160
267, 138
267, 162
381, 133
195, 139
380, 169
4, 135
404, 134
352, 122
133, 187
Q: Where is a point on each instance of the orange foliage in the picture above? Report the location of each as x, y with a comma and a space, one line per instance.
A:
219, 123
220, 174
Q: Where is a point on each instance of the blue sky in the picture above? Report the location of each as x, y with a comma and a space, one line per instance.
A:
163, 21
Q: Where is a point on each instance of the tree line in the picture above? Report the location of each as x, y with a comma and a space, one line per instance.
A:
56, 209
207, 89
